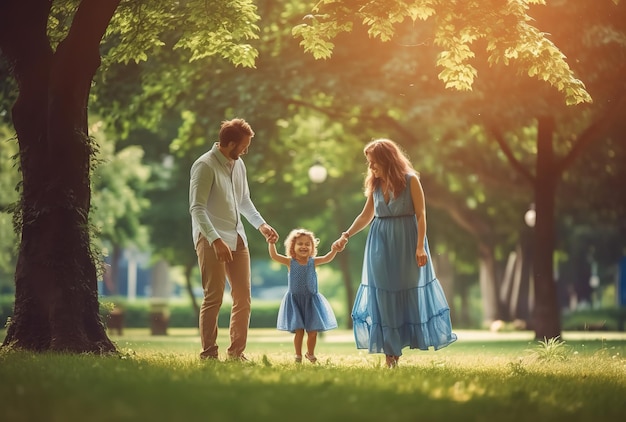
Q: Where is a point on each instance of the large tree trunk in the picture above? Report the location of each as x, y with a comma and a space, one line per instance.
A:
547, 319
56, 295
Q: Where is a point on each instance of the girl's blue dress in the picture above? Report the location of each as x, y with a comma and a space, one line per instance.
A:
303, 307
398, 303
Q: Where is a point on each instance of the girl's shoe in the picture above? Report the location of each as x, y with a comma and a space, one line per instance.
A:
311, 358
298, 359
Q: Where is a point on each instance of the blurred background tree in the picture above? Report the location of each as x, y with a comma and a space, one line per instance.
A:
476, 150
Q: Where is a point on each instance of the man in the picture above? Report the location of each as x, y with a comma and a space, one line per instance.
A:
218, 197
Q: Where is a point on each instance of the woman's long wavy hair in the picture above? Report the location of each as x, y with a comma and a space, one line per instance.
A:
290, 241
393, 162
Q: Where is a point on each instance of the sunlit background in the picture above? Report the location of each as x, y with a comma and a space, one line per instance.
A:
476, 153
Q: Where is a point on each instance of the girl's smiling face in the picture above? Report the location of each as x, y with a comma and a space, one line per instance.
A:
303, 247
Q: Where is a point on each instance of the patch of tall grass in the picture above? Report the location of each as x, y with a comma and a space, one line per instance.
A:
160, 378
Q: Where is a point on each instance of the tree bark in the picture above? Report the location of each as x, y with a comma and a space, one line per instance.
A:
56, 299
546, 317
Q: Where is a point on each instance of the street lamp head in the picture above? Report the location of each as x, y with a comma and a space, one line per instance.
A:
530, 217
318, 173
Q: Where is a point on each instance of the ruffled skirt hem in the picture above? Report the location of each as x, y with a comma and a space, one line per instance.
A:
386, 322
308, 312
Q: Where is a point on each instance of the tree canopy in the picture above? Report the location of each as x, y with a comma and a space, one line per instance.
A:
460, 84
504, 27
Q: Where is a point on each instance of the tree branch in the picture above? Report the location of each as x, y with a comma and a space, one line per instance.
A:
593, 132
515, 163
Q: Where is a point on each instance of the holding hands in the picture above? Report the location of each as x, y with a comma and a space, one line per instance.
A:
271, 236
340, 244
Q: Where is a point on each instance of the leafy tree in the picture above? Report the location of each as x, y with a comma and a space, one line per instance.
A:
119, 200
53, 52
505, 25
504, 30
168, 217
368, 91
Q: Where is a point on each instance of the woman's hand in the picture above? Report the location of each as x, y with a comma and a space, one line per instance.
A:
421, 257
340, 244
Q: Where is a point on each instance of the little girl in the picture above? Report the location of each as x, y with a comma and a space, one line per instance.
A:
303, 307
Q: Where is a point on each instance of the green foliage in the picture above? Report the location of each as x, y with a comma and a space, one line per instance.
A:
458, 25
552, 349
316, 37
366, 89
6, 308
327, 109
517, 368
137, 313
9, 197
606, 319
118, 192
118, 201
202, 28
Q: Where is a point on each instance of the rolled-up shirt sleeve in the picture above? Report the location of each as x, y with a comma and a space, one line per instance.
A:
201, 180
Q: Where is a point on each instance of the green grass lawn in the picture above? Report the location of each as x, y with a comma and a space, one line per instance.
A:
482, 377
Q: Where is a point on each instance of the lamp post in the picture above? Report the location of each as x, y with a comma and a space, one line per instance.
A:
530, 217
317, 172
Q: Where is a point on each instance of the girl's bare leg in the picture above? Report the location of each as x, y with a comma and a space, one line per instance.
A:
311, 342
298, 338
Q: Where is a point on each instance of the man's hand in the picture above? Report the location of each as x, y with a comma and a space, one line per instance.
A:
271, 236
222, 251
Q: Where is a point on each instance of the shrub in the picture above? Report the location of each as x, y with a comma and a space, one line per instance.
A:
605, 319
137, 313
6, 308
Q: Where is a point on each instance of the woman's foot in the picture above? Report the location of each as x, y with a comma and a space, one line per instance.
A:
391, 361
311, 357
298, 358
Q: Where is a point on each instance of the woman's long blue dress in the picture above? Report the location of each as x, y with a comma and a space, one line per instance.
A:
303, 307
398, 303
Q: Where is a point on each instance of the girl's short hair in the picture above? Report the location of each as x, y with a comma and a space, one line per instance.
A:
290, 241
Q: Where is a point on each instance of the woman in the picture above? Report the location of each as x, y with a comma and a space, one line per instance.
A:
400, 302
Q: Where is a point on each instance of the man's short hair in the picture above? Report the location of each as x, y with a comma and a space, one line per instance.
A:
234, 130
